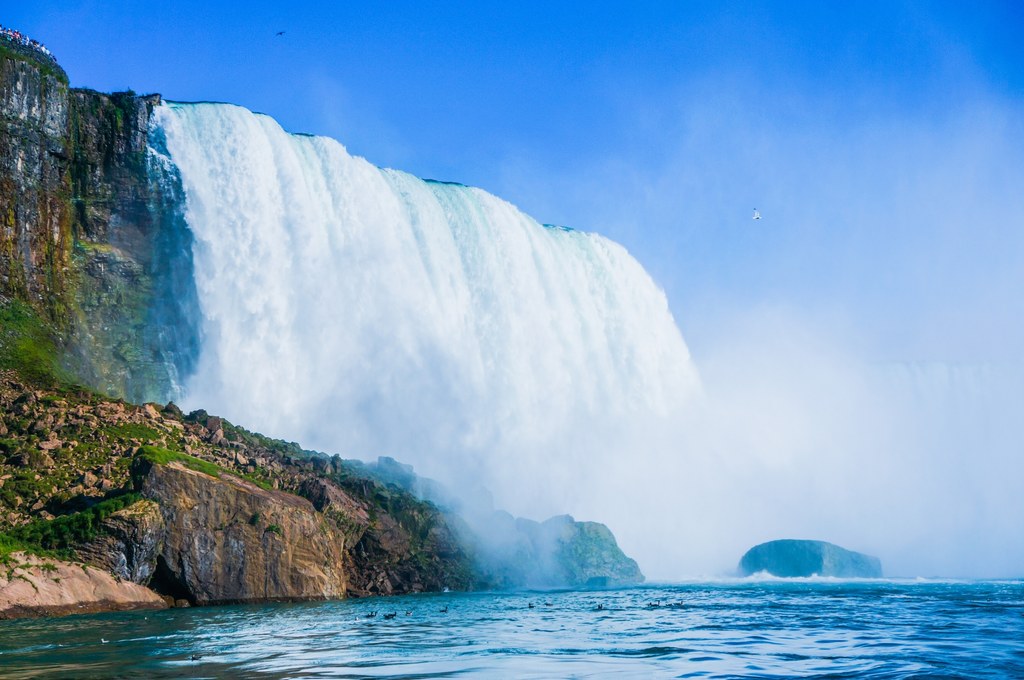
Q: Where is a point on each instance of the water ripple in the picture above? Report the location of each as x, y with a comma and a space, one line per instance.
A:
884, 630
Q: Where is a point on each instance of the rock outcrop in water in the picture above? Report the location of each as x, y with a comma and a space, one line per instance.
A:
790, 558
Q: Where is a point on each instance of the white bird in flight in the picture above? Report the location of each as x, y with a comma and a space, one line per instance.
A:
757, 215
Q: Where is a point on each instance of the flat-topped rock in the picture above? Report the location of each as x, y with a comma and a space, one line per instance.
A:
789, 558
34, 586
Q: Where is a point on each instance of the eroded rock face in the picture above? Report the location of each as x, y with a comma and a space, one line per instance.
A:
790, 558
228, 540
35, 219
91, 229
129, 543
46, 587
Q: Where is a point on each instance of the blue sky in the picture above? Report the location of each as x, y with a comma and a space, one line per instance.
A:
882, 141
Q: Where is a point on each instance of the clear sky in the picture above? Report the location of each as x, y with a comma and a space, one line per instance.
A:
881, 141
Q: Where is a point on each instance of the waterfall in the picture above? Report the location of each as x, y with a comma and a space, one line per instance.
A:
364, 311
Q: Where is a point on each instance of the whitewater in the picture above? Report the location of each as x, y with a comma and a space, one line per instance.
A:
365, 311
538, 369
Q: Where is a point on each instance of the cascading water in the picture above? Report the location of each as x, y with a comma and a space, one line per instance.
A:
364, 311
367, 312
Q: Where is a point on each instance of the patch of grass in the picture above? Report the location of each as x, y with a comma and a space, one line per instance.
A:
9, 51
162, 456
274, 529
126, 431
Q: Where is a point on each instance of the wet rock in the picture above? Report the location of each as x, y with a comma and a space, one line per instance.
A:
798, 558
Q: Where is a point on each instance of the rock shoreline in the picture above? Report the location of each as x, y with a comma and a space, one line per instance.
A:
32, 586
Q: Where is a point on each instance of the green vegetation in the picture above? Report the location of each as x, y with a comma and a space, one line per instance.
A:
28, 347
47, 69
274, 529
57, 537
127, 431
162, 456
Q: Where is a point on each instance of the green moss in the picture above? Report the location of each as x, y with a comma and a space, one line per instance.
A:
28, 346
161, 456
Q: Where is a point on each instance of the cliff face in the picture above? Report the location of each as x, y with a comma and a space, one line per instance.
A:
227, 540
204, 512
90, 233
33, 586
35, 216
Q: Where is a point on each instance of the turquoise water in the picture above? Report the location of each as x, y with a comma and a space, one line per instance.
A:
767, 629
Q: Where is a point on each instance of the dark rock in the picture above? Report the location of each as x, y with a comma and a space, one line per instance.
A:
211, 552
91, 235
789, 558
129, 542
173, 411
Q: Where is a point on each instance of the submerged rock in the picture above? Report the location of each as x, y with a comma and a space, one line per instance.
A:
789, 558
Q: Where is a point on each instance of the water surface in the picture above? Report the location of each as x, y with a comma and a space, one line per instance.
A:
760, 629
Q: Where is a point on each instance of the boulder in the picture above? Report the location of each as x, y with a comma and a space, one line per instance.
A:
790, 558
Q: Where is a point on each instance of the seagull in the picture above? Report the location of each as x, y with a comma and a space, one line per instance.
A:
757, 215
104, 640
279, 34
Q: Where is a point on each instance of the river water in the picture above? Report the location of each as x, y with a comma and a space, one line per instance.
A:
758, 629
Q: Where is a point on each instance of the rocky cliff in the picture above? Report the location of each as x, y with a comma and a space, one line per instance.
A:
35, 586
205, 512
96, 289
35, 215
89, 232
